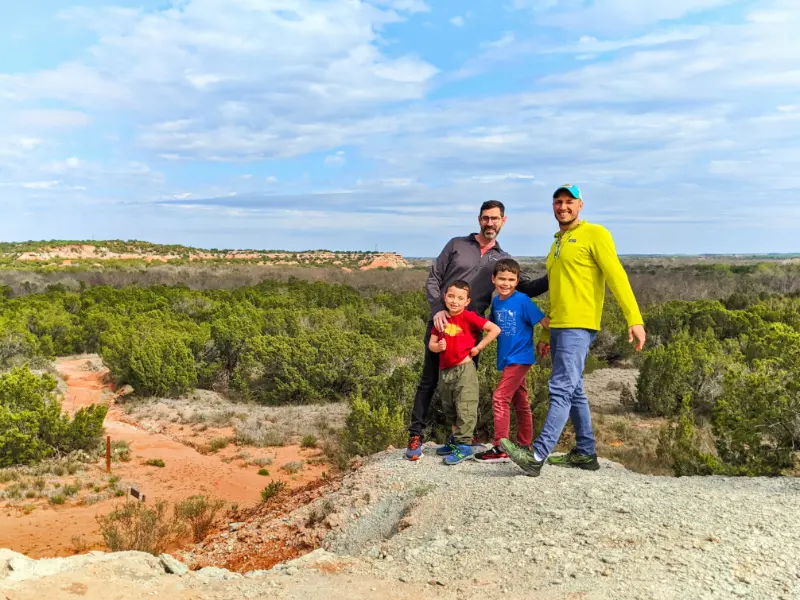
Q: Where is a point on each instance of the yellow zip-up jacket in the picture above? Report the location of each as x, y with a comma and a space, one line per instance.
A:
581, 261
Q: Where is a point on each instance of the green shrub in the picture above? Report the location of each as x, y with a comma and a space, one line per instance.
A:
57, 499
273, 489
70, 490
309, 441
756, 421
371, 429
219, 443
686, 366
199, 512
263, 472
32, 425
154, 360
120, 451
679, 446
154, 462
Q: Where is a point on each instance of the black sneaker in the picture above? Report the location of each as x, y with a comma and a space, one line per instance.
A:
576, 460
523, 458
494, 455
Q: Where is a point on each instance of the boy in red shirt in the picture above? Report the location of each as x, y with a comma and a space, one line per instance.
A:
458, 378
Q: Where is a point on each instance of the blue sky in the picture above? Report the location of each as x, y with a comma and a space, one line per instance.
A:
355, 124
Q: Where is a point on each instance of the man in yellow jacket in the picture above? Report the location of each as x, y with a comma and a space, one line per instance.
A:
581, 261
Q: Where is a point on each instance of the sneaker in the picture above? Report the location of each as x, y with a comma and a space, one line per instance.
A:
493, 455
523, 458
414, 448
447, 447
477, 446
575, 459
461, 452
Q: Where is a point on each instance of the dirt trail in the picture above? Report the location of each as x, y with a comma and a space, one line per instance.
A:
49, 530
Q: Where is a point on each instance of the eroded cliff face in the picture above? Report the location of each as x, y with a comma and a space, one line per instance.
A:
361, 260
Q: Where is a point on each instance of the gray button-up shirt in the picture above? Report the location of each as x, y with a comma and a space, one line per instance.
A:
461, 259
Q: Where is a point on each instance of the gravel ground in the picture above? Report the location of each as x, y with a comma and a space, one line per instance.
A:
606, 534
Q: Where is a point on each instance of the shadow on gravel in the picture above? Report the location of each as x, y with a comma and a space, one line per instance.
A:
383, 521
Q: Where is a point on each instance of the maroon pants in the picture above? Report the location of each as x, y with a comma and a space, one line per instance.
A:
513, 388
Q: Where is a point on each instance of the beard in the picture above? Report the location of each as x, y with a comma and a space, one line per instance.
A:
567, 220
489, 232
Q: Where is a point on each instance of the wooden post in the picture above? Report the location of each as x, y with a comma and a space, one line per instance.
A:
108, 454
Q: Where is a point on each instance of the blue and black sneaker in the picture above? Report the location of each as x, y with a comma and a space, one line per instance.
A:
461, 452
447, 447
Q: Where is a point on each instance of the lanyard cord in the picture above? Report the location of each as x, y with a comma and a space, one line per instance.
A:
560, 239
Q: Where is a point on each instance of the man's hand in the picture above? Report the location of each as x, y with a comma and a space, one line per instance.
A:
474, 352
637, 332
440, 320
542, 349
442, 345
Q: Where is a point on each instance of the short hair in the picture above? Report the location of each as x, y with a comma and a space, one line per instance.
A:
507, 265
459, 284
489, 204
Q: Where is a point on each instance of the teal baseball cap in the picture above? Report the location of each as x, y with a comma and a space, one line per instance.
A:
572, 190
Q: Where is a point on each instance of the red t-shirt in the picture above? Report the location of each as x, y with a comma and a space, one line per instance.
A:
461, 335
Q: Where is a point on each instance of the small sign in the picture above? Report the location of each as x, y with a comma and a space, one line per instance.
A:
137, 494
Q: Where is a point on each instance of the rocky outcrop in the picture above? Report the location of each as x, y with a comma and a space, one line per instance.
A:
423, 530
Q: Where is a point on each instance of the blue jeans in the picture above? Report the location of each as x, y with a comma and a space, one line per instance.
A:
569, 349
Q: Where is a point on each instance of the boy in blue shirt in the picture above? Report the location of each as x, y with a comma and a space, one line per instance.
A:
516, 314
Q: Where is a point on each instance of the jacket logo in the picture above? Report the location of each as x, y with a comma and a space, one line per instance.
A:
572, 241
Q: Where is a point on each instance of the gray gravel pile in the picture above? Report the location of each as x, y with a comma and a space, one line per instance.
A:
611, 533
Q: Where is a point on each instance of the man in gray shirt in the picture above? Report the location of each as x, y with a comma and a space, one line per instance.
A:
472, 259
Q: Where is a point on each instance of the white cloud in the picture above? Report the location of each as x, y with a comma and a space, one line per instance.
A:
335, 160
503, 177
503, 49
507, 39
299, 72
458, 21
39, 185
412, 6
36, 119
613, 15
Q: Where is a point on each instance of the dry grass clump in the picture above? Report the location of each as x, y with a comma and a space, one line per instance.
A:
293, 467
140, 526
153, 528
199, 512
255, 432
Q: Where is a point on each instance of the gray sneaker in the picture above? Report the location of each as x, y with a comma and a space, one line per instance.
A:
523, 458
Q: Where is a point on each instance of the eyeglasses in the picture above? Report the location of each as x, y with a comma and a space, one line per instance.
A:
491, 219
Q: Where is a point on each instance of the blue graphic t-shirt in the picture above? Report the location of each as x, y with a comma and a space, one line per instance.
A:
516, 316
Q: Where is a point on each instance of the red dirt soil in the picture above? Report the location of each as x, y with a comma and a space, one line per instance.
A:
49, 530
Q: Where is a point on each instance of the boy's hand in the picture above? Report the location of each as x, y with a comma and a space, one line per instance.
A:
474, 352
545, 322
542, 349
442, 345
